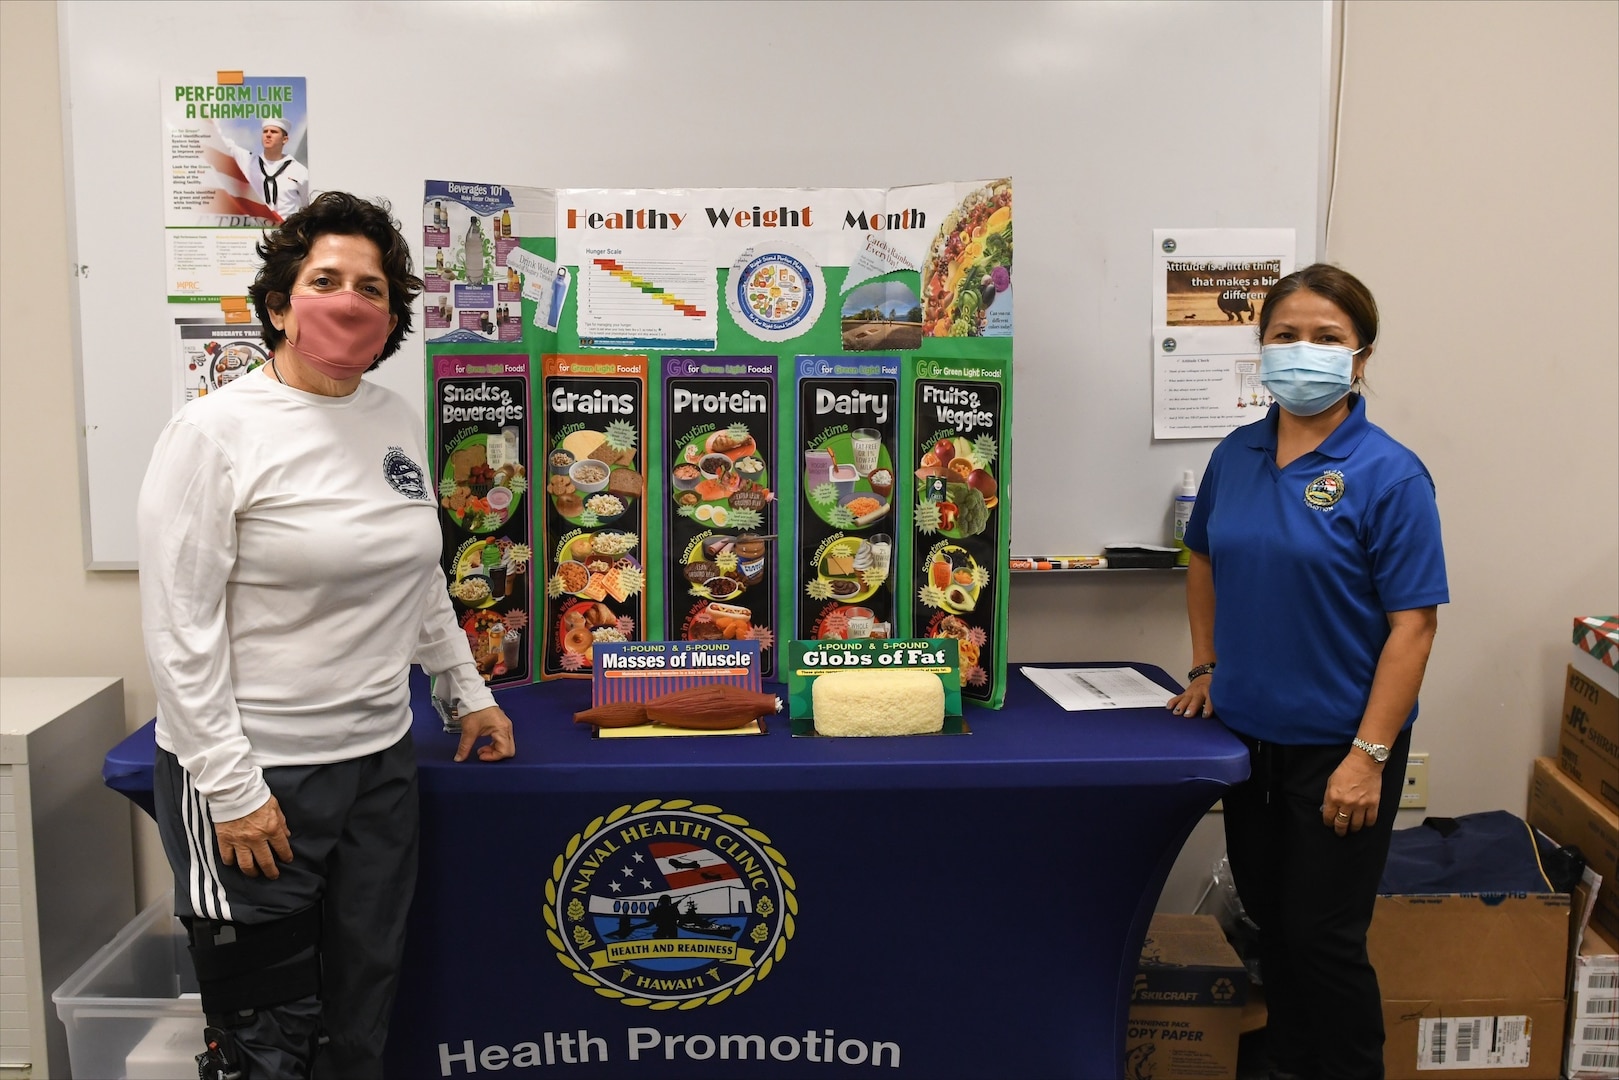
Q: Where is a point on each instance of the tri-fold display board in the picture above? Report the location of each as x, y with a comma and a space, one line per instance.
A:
722, 414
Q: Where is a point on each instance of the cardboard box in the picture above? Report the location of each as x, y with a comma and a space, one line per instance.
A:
1592, 1061
1568, 814
1598, 637
1594, 988
1186, 1003
1473, 985
1588, 738
1593, 1012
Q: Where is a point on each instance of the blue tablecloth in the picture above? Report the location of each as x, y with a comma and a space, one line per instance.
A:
970, 905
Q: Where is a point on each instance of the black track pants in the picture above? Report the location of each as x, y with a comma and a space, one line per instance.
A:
1312, 892
354, 846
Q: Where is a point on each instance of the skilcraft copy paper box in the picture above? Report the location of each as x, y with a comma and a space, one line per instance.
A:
1186, 1002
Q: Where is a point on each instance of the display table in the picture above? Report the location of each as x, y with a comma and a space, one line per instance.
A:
963, 906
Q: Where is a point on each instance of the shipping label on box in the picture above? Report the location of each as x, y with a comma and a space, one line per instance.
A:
1591, 1061
1494, 1039
1473, 1042
1588, 741
1602, 1029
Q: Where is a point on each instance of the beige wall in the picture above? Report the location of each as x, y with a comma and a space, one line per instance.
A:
1477, 195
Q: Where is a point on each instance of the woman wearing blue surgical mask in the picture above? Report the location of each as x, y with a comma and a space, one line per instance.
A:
1313, 590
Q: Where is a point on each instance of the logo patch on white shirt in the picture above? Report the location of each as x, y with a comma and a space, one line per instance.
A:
404, 475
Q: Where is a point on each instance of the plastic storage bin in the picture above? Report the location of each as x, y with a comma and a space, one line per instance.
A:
132, 1010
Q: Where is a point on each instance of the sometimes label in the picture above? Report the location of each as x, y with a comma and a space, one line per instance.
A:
1473, 1042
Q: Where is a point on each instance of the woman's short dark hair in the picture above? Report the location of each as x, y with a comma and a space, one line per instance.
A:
1339, 286
334, 213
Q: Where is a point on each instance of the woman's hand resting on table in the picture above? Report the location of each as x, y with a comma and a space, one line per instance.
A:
492, 722
1195, 700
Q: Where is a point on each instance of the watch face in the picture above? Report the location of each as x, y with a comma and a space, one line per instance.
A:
1378, 751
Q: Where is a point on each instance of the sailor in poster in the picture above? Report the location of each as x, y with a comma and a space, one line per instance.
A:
281, 180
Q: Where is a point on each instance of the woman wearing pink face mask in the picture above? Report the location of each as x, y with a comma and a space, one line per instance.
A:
289, 556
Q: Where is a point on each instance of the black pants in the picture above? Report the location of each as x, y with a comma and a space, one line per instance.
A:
354, 846
1312, 892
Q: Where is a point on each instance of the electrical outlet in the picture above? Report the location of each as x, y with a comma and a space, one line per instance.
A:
1415, 793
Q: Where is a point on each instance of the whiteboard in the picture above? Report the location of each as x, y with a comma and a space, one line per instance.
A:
1112, 119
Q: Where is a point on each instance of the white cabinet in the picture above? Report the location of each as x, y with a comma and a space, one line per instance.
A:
67, 878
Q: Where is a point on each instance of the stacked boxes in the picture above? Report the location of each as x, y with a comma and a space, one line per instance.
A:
1186, 1003
1593, 1012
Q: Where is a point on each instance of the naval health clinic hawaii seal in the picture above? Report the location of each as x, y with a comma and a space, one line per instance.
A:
669, 904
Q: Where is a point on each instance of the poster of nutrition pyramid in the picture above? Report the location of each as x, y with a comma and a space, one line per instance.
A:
708, 288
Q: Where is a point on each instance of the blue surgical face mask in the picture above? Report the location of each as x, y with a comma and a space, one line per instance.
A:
1306, 378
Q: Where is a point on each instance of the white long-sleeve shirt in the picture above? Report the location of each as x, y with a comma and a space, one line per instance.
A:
289, 575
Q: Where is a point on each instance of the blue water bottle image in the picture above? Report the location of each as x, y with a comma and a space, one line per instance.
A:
559, 293
1185, 499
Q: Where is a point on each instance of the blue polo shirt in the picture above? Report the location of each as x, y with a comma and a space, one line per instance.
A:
1308, 562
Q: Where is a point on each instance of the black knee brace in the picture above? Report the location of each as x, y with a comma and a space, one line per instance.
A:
242, 968
220, 1061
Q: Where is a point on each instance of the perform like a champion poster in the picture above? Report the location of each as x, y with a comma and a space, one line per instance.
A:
236, 153
703, 509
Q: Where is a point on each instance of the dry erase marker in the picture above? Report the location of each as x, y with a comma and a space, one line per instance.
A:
1059, 562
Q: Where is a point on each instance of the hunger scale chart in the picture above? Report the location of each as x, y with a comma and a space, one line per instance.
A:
647, 303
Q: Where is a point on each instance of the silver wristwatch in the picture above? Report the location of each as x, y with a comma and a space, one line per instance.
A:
1379, 752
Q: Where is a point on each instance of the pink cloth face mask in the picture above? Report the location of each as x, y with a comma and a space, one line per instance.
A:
341, 335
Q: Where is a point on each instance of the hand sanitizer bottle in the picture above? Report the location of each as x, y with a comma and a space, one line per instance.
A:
1185, 499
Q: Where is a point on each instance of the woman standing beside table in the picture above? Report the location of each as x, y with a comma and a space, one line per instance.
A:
1315, 578
289, 557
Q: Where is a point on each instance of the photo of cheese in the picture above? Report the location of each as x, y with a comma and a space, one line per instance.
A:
860, 703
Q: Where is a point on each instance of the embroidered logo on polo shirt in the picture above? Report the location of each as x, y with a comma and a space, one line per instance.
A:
1325, 490
403, 474
669, 904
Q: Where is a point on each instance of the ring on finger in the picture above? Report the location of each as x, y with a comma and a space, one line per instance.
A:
1342, 816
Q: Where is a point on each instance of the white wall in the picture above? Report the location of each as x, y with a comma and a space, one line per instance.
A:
1478, 197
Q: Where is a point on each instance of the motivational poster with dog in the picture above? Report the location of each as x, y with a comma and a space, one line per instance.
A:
1208, 288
